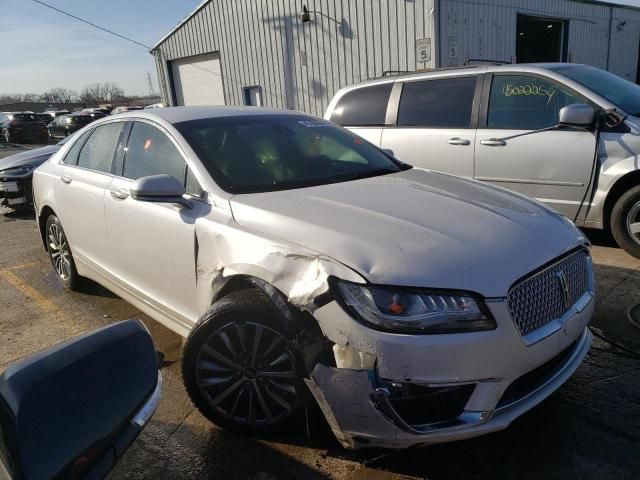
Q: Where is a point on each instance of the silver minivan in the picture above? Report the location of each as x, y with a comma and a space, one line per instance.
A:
532, 128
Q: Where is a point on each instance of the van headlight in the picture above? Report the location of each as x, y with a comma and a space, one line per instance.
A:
410, 310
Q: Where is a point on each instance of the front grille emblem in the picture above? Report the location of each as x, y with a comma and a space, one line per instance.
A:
564, 287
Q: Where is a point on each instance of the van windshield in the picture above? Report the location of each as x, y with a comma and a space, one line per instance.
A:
261, 153
617, 90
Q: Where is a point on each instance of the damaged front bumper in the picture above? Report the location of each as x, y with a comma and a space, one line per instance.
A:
441, 388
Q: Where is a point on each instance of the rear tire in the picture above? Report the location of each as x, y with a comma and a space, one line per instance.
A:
239, 366
625, 221
60, 254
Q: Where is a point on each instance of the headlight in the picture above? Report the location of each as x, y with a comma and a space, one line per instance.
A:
403, 310
17, 171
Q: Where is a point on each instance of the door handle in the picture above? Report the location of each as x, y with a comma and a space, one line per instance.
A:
119, 194
65, 179
493, 142
458, 141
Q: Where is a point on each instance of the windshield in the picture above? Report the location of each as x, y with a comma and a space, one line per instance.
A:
618, 91
277, 152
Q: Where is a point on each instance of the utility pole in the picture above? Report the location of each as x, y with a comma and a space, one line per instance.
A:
150, 84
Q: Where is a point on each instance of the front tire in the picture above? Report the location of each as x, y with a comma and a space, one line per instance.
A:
625, 221
239, 366
60, 254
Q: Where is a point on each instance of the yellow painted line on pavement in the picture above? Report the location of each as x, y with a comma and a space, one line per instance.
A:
43, 302
23, 266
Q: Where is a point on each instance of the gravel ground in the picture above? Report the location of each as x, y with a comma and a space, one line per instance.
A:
589, 429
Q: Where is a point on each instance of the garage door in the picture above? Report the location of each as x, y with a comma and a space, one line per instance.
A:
198, 80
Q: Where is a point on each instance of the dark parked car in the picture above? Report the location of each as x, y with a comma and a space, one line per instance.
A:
26, 127
16, 173
73, 410
65, 125
117, 110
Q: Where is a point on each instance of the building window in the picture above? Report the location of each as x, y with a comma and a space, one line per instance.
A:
253, 96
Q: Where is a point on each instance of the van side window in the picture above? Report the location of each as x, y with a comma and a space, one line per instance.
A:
521, 102
363, 107
97, 152
151, 152
438, 103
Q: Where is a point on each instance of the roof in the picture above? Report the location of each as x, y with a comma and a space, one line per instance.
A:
185, 114
186, 19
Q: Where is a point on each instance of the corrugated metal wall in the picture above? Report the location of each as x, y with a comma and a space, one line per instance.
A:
301, 66
487, 29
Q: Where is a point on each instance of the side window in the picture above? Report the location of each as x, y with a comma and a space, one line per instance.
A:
97, 152
191, 185
71, 158
151, 152
363, 107
521, 102
439, 103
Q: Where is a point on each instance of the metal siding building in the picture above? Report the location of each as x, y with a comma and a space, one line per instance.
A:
264, 50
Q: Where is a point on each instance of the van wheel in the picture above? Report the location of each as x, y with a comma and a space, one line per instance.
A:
239, 366
625, 221
60, 254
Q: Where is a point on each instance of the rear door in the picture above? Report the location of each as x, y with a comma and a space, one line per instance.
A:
80, 192
154, 244
554, 166
363, 110
436, 124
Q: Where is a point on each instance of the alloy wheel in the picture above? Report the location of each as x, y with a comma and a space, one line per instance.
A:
59, 251
633, 222
247, 374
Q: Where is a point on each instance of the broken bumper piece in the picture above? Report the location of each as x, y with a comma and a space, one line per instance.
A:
366, 412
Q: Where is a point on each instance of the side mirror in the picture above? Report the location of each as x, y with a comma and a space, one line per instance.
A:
577, 115
389, 152
159, 188
72, 410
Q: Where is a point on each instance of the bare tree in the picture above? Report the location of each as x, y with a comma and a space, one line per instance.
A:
60, 95
96, 93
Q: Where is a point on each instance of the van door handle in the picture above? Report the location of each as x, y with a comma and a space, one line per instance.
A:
493, 142
119, 194
66, 179
458, 141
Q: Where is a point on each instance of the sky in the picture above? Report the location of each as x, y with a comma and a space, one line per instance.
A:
41, 49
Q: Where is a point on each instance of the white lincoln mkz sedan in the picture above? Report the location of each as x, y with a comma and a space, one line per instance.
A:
295, 257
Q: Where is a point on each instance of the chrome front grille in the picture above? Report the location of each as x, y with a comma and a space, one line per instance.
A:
550, 293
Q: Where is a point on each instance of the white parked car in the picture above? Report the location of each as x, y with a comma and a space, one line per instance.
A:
534, 129
417, 307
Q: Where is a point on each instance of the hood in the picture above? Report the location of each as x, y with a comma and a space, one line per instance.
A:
416, 228
36, 157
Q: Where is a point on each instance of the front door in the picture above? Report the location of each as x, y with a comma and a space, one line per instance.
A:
435, 126
154, 244
554, 166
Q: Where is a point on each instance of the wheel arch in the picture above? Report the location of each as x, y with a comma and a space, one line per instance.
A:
45, 212
618, 189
